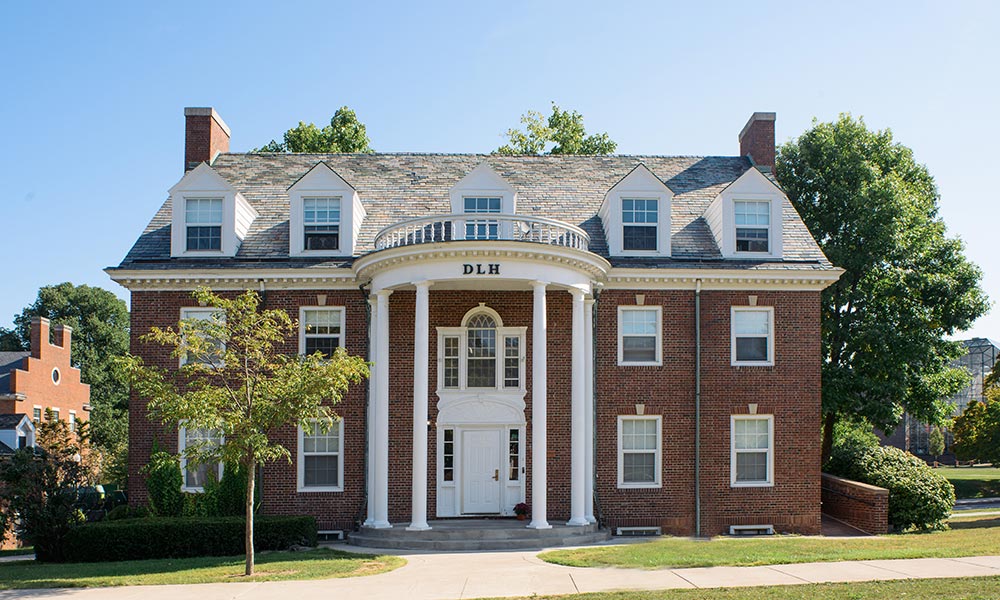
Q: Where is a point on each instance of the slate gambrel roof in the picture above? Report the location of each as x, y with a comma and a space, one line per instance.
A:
397, 187
8, 362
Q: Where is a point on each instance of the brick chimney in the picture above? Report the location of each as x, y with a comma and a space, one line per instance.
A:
39, 336
205, 136
61, 336
757, 139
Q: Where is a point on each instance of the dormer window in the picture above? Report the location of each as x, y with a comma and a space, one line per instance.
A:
324, 214
753, 225
203, 219
482, 229
636, 215
640, 219
321, 219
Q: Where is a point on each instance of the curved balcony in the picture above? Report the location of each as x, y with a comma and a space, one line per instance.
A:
482, 227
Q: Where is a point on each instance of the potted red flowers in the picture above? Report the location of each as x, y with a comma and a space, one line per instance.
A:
521, 510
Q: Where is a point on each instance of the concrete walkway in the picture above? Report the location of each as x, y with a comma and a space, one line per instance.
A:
475, 575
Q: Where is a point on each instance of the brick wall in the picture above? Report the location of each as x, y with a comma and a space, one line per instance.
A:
789, 390
860, 505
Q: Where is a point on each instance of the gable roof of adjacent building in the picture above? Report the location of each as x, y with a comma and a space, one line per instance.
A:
8, 362
397, 187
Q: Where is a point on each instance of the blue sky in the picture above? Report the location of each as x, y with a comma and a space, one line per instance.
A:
91, 109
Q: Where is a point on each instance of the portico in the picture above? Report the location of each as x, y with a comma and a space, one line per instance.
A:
482, 368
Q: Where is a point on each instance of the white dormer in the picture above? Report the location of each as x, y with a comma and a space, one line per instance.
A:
325, 214
636, 215
209, 217
745, 218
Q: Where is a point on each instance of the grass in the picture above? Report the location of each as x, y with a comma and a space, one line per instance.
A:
967, 537
17, 551
966, 588
322, 563
973, 482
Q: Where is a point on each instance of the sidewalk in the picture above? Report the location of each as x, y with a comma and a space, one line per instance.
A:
476, 575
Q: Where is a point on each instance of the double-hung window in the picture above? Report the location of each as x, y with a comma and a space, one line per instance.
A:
321, 458
752, 336
639, 335
753, 225
639, 223
203, 220
217, 347
72, 420
197, 471
53, 415
321, 330
321, 222
639, 451
752, 456
482, 229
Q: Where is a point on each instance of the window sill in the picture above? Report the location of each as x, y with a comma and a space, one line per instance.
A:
752, 364
192, 490
658, 363
319, 489
639, 486
750, 484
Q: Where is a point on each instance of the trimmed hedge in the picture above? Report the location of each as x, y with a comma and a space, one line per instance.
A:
138, 539
919, 498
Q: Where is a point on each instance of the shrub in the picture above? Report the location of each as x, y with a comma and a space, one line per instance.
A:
125, 511
139, 539
918, 497
163, 482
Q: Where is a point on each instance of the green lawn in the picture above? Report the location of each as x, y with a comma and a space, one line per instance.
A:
321, 563
969, 588
967, 537
973, 482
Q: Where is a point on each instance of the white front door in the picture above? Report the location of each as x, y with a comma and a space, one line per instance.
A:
481, 471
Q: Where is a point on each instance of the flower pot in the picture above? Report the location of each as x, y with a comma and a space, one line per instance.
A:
522, 517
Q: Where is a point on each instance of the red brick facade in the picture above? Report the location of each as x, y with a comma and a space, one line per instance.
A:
790, 391
47, 379
205, 136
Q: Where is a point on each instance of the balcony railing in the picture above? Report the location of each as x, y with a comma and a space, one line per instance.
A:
482, 227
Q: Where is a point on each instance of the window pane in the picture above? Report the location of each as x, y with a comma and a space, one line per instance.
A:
322, 470
512, 363
639, 467
204, 238
751, 322
638, 349
751, 434
638, 237
638, 322
752, 213
321, 210
203, 211
639, 211
751, 466
482, 372
751, 349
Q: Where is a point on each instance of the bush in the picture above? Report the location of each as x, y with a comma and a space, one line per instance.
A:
163, 482
125, 511
918, 497
139, 539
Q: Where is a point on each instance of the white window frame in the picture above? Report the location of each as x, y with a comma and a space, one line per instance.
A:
656, 200
659, 336
301, 462
71, 421
54, 411
181, 446
770, 228
462, 333
301, 206
770, 451
186, 313
41, 414
221, 224
302, 329
658, 475
770, 336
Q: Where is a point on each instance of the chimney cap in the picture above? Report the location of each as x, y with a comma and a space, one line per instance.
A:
757, 116
207, 111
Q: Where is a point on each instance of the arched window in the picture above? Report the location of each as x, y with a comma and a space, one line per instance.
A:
482, 354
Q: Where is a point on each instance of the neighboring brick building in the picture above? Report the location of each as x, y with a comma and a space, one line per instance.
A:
43, 379
532, 325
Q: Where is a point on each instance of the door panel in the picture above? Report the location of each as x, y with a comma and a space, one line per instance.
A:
480, 471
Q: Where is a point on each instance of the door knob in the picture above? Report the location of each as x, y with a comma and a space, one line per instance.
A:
496, 474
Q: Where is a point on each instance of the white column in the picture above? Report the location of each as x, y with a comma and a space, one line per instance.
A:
372, 439
588, 409
577, 461
539, 404
421, 334
382, 413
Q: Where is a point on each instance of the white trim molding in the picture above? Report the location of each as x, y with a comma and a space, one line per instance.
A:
658, 360
733, 335
341, 311
300, 460
769, 480
201, 183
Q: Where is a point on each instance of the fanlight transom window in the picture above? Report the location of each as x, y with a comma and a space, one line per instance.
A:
481, 355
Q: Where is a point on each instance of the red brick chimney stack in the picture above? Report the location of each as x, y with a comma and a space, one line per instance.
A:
757, 139
62, 334
39, 336
206, 135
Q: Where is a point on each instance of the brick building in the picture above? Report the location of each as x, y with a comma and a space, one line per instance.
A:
38, 382
630, 339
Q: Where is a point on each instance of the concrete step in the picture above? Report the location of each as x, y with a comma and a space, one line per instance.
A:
477, 534
475, 545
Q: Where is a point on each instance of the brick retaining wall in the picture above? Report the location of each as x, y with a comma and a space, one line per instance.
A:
860, 505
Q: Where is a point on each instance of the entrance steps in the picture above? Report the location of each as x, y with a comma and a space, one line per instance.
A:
471, 535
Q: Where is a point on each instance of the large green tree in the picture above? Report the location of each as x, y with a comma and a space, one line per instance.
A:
100, 322
9, 341
562, 133
237, 382
906, 286
345, 133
